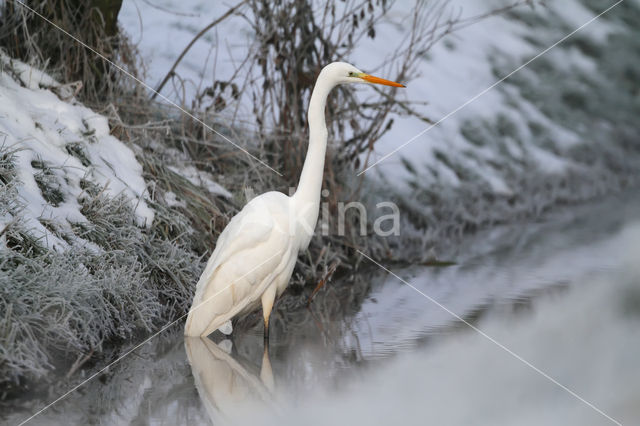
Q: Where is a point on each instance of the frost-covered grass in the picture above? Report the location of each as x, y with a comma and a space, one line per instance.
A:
87, 255
73, 301
562, 130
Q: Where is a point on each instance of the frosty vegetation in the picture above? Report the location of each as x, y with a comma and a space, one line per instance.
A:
565, 132
82, 259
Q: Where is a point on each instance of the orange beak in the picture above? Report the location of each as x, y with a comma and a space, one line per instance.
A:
377, 80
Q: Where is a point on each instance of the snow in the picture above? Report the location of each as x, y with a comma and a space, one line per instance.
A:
202, 179
163, 28
31, 77
454, 74
46, 131
449, 75
172, 200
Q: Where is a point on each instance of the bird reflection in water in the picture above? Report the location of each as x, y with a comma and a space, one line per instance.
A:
229, 391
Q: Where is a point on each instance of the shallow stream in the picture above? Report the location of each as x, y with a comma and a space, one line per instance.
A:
535, 323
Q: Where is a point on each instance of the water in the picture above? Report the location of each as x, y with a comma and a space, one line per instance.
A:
563, 294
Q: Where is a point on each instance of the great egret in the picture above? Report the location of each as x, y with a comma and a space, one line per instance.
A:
257, 251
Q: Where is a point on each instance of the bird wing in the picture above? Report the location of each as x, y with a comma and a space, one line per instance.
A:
251, 226
250, 252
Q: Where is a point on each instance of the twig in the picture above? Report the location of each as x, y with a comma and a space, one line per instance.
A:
192, 42
173, 12
324, 280
79, 362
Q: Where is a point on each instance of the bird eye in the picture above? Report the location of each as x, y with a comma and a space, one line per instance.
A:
352, 74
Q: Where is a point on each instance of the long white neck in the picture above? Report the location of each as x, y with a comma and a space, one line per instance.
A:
307, 196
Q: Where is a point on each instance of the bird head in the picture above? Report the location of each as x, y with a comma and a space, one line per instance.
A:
344, 73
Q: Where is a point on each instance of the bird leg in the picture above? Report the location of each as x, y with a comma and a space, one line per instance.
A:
268, 297
266, 373
266, 330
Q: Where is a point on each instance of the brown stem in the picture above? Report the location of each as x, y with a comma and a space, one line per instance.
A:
191, 43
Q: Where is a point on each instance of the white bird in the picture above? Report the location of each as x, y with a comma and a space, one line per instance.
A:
257, 251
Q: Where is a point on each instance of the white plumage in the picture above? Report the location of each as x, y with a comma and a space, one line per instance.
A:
257, 251
254, 257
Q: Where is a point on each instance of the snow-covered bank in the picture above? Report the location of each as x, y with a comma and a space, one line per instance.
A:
563, 129
86, 256
59, 147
